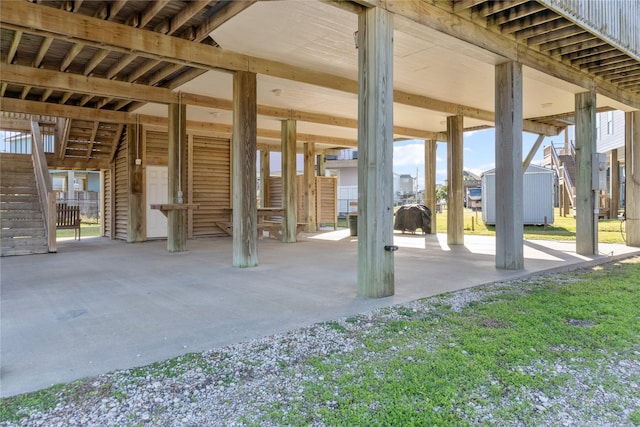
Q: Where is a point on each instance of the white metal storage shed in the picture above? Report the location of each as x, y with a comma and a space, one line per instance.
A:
537, 196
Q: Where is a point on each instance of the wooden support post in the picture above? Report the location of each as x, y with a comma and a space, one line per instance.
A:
614, 174
136, 211
320, 159
289, 186
586, 196
509, 175
177, 218
455, 181
310, 186
244, 145
375, 154
265, 173
430, 148
632, 183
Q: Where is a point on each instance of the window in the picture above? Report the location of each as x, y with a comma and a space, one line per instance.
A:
609, 122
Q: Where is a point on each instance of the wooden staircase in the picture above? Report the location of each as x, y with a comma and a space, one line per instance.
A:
570, 165
22, 226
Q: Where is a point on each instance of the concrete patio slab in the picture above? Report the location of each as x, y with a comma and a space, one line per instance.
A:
99, 305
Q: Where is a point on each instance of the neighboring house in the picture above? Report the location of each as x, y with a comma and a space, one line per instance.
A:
610, 141
344, 166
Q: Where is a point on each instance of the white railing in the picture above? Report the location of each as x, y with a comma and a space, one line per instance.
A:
616, 21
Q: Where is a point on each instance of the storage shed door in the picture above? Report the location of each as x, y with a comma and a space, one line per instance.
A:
157, 192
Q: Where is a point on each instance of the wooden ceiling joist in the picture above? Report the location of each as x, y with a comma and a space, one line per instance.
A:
530, 22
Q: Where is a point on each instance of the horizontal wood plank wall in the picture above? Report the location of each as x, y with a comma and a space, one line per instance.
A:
156, 148
121, 187
108, 205
275, 192
300, 198
327, 199
211, 183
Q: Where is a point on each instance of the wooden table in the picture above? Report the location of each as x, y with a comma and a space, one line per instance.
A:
166, 207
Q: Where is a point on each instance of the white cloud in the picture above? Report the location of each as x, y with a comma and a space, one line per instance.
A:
410, 155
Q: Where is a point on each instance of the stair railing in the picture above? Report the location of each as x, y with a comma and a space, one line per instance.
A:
43, 182
563, 173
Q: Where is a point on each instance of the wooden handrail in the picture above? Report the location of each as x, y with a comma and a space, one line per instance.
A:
43, 182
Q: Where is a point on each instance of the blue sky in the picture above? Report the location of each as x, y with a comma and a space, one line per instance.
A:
479, 154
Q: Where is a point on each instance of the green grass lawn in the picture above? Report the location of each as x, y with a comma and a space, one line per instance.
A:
563, 228
86, 230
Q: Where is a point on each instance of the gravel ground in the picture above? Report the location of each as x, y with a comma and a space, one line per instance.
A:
237, 385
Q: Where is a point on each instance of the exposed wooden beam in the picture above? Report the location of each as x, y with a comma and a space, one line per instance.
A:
577, 47
183, 78
152, 10
567, 41
25, 91
201, 33
103, 102
70, 56
42, 51
116, 142
92, 138
189, 11
22, 75
589, 52
605, 56
626, 76
559, 34
494, 7
15, 42
3, 88
531, 21
232, 9
85, 99
164, 73
47, 93
514, 13
435, 17
142, 70
84, 113
95, 61
619, 68
65, 97
556, 24
115, 7
65, 139
115, 89
121, 64
460, 5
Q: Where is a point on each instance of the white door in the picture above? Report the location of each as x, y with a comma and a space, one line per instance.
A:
157, 192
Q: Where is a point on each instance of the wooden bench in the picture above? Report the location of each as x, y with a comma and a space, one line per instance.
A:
68, 218
274, 228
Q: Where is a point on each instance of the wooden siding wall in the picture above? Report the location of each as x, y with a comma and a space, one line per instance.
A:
209, 181
327, 200
326, 197
121, 199
615, 139
108, 205
275, 191
156, 148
